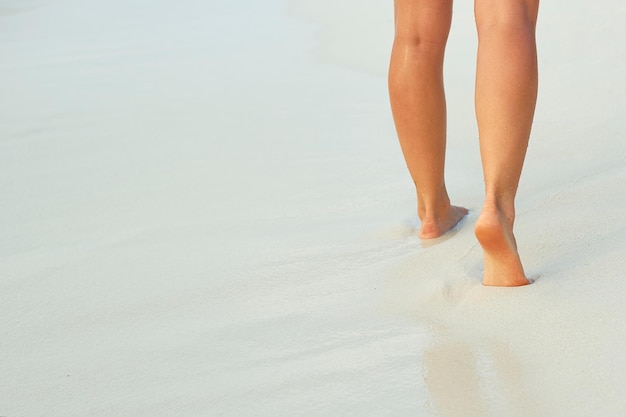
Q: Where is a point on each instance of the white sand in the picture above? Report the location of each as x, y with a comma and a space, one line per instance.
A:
205, 213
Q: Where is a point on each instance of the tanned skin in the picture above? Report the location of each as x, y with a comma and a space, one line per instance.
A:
505, 97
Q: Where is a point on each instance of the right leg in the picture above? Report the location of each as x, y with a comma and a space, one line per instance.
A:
419, 109
506, 92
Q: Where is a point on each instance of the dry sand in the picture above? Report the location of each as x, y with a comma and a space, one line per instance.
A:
204, 211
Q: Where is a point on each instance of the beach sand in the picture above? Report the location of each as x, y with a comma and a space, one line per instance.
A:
205, 212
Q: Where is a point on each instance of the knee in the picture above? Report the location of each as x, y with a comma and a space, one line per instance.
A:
422, 27
421, 42
506, 21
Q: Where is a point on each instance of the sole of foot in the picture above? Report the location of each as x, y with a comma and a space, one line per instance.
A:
503, 267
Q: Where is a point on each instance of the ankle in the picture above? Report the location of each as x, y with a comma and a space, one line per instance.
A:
434, 208
503, 209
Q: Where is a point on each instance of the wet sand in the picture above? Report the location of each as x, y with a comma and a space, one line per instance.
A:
205, 212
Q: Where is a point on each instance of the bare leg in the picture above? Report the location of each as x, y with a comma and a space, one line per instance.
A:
506, 93
419, 107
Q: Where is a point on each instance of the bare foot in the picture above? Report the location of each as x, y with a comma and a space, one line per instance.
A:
503, 267
435, 227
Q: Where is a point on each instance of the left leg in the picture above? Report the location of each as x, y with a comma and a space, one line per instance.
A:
419, 107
